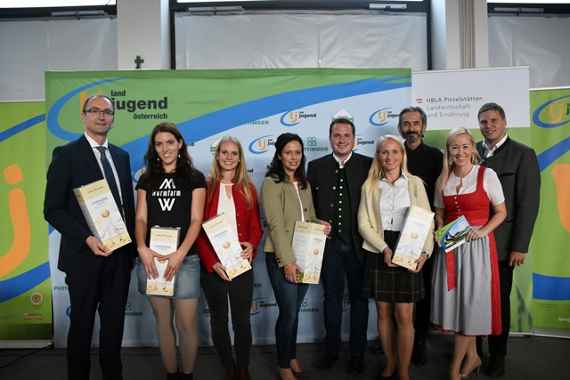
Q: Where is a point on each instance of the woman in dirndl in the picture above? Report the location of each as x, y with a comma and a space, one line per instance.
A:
466, 293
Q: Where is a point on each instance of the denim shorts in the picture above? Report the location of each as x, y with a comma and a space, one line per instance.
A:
186, 281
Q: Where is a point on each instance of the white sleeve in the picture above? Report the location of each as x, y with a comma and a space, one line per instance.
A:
493, 187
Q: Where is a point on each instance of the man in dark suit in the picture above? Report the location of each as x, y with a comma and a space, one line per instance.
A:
425, 162
97, 279
517, 167
335, 181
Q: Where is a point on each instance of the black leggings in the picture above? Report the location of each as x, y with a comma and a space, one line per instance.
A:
240, 291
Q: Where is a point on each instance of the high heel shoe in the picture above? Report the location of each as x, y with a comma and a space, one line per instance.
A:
381, 376
474, 373
286, 374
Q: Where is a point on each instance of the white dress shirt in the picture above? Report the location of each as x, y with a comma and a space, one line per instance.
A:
394, 203
97, 154
340, 162
488, 152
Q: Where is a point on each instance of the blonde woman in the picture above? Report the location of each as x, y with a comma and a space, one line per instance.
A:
231, 192
386, 196
466, 293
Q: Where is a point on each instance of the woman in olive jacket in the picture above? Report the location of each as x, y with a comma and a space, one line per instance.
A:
286, 198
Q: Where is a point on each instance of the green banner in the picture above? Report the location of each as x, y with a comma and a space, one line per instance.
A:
25, 288
255, 106
551, 265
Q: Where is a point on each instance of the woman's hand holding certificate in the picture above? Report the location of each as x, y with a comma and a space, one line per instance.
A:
174, 262
147, 256
227, 247
247, 252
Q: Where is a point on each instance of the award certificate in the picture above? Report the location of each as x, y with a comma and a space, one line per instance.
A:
226, 245
309, 246
102, 214
416, 230
163, 240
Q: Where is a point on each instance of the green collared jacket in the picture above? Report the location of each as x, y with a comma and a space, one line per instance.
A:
282, 210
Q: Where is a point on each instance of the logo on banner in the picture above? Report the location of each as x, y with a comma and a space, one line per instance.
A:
381, 117
261, 144
139, 109
19, 250
131, 311
553, 113
260, 303
36, 298
260, 123
292, 118
363, 141
312, 145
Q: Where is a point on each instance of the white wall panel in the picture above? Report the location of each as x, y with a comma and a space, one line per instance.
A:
288, 40
28, 48
538, 42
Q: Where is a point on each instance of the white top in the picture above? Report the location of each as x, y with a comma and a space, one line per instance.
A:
97, 154
300, 203
491, 185
227, 207
489, 152
394, 203
340, 162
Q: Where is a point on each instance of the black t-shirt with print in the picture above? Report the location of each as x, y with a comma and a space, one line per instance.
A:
169, 200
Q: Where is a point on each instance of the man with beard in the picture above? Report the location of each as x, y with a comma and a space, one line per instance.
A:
425, 162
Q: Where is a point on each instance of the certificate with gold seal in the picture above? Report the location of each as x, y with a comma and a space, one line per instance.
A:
309, 242
164, 241
102, 214
226, 245
417, 228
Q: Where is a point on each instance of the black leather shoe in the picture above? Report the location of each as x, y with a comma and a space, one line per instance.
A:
327, 361
496, 367
356, 364
419, 357
172, 376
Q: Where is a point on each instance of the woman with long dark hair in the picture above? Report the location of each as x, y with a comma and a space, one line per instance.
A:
286, 197
171, 193
230, 192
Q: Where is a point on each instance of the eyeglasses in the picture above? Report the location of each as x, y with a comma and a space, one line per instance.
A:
106, 112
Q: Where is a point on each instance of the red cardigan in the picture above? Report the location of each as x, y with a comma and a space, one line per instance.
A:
248, 224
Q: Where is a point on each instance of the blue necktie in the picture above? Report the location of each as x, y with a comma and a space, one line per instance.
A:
110, 177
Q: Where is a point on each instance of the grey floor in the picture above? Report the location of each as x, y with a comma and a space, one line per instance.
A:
530, 358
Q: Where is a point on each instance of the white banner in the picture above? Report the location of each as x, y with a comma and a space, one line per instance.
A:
451, 98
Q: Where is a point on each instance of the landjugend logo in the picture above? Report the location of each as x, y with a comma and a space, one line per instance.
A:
292, 118
553, 113
381, 117
261, 144
139, 109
